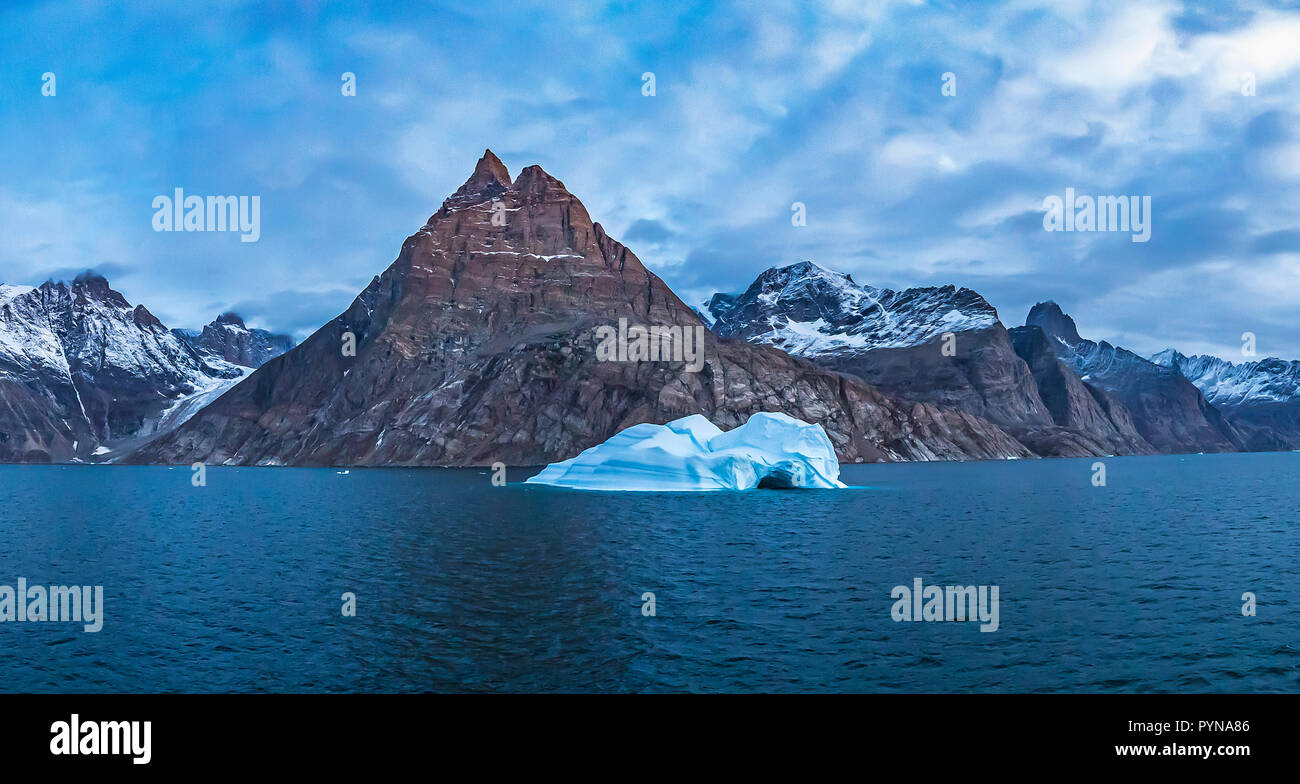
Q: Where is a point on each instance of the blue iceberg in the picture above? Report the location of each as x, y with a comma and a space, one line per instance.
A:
693, 454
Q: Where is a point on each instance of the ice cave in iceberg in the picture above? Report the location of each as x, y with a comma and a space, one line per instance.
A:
770, 450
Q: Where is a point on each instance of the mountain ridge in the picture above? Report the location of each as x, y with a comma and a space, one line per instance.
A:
1260, 398
228, 339
1167, 409
82, 370
941, 344
476, 346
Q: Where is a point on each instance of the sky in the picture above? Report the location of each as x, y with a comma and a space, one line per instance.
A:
839, 106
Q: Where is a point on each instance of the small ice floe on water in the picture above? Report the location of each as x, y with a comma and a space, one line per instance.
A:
771, 450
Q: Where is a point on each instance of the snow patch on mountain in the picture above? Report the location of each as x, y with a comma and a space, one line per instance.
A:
8, 292
1230, 384
185, 407
84, 370
809, 311
28, 343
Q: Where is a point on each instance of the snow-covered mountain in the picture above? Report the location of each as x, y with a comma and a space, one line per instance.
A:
1167, 409
893, 339
227, 338
1261, 398
809, 311
83, 373
896, 341
1227, 383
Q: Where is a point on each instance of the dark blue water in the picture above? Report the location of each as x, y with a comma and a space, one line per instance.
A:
462, 586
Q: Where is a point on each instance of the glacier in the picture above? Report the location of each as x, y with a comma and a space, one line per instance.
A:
692, 454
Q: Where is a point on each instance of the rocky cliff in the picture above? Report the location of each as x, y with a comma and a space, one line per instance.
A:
1168, 411
1075, 405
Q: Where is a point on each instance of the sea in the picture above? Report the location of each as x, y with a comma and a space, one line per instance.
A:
1179, 573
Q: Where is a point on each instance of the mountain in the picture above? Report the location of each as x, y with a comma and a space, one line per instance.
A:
42, 418
1167, 410
893, 339
896, 341
1076, 405
1261, 399
479, 344
83, 373
228, 339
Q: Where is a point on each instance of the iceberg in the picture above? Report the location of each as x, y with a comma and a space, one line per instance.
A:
692, 454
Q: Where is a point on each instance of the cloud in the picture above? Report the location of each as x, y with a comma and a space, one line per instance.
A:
834, 104
1284, 241
648, 231
67, 274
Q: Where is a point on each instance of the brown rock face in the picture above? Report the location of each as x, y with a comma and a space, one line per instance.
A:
984, 376
478, 344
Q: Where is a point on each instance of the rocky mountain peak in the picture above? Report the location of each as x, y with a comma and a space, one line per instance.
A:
892, 339
143, 318
1170, 358
716, 307
87, 285
92, 282
798, 271
490, 174
229, 340
808, 310
90, 279
534, 182
1049, 317
534, 217
232, 319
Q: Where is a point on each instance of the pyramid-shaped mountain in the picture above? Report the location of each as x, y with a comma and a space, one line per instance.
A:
479, 344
